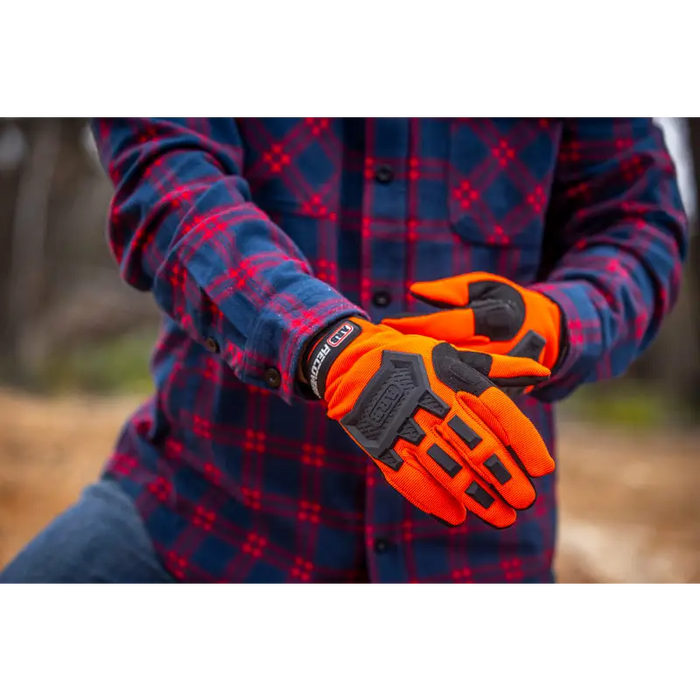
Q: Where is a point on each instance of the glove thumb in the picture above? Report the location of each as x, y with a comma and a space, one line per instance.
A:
443, 294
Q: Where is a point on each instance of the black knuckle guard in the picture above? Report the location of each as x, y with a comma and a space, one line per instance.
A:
383, 413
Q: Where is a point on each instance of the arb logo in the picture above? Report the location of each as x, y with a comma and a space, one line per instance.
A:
340, 335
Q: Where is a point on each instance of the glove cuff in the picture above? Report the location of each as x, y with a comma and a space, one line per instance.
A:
563, 339
324, 350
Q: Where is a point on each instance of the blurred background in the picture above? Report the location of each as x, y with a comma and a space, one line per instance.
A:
71, 371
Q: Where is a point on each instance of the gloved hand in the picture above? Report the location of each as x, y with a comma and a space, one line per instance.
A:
489, 313
433, 418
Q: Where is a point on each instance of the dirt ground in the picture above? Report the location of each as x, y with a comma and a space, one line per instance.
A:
629, 511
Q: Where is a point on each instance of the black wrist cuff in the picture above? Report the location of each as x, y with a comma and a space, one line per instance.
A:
325, 349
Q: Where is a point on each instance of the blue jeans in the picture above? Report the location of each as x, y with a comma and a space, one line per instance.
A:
101, 539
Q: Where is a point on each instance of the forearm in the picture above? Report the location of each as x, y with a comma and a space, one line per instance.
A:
625, 237
183, 226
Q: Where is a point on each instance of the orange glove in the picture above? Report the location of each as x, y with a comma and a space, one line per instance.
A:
433, 418
489, 313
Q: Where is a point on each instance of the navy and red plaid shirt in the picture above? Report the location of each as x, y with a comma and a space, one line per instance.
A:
254, 234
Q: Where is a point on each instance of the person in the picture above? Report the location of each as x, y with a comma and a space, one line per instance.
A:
295, 437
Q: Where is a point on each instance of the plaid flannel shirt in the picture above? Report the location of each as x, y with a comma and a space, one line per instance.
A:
254, 234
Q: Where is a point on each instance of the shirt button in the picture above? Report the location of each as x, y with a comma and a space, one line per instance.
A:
272, 377
384, 174
381, 545
211, 345
382, 299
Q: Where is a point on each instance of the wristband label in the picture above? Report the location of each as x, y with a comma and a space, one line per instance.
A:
326, 352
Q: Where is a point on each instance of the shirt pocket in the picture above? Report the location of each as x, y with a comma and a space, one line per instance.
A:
498, 186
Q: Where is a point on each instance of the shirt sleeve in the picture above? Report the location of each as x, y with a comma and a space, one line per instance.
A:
182, 225
616, 238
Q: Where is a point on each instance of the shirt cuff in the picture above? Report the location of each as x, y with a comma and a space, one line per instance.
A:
289, 320
582, 324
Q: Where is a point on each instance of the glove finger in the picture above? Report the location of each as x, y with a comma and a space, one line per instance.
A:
453, 470
532, 345
487, 456
510, 371
486, 345
454, 326
419, 488
443, 293
514, 430
454, 291
450, 468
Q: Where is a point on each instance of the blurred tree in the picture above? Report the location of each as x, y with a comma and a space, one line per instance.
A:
27, 287
12, 152
58, 284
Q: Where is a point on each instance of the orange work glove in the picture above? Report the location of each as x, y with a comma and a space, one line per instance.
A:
433, 418
489, 313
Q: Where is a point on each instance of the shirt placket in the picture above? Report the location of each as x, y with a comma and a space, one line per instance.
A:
384, 264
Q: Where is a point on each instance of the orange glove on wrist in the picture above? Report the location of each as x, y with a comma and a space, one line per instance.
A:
433, 418
489, 313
